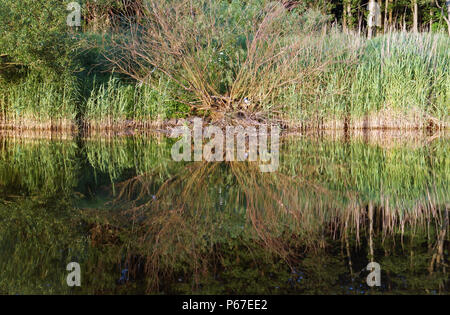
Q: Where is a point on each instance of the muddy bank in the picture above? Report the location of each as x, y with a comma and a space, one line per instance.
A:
383, 138
383, 120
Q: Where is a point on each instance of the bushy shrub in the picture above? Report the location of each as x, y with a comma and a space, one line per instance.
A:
35, 35
219, 53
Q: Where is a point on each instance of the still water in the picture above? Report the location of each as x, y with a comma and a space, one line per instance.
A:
138, 222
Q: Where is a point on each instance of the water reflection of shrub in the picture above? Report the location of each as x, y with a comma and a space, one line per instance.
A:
201, 218
221, 227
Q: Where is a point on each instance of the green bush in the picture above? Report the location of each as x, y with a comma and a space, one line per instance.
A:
35, 34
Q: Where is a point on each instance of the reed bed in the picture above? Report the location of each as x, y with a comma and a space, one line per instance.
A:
36, 104
399, 81
116, 105
305, 79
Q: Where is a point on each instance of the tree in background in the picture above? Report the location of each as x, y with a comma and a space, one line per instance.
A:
445, 16
374, 18
34, 34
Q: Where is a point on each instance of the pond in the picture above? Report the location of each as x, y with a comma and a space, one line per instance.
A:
136, 221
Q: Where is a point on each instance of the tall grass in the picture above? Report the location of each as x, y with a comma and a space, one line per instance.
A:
407, 74
117, 105
256, 60
399, 80
37, 103
113, 103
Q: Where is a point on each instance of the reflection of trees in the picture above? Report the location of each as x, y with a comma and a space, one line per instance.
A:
37, 167
38, 237
184, 224
223, 227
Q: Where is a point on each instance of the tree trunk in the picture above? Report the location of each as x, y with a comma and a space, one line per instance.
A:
349, 14
431, 19
372, 16
390, 13
359, 23
386, 16
344, 18
415, 17
448, 17
404, 22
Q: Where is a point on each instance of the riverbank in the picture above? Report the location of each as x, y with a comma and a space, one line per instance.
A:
308, 77
384, 138
383, 120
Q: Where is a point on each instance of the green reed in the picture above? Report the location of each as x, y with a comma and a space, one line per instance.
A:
33, 102
113, 103
397, 80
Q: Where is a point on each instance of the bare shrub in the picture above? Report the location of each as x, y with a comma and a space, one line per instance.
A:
222, 57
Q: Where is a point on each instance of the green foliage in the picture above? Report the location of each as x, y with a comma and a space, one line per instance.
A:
36, 100
406, 73
35, 35
52, 73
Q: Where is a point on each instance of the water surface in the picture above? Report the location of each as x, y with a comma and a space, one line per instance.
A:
138, 222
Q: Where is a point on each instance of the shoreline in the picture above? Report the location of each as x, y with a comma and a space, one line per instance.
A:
377, 121
384, 138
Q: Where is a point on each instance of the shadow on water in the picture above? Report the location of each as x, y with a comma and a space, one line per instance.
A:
138, 222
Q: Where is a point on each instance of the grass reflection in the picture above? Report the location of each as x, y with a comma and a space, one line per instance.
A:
122, 204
